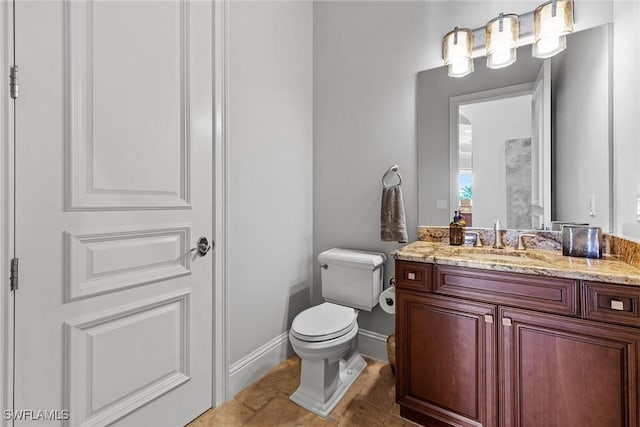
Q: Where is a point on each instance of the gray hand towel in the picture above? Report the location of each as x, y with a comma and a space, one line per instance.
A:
393, 225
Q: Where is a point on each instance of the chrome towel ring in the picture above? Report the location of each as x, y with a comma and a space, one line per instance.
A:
392, 169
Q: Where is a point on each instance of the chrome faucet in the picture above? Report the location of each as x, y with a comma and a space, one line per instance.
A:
521, 245
498, 243
477, 242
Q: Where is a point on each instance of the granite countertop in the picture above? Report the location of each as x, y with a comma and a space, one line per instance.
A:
609, 269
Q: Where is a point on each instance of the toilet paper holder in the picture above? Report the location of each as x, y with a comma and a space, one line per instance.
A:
392, 282
387, 298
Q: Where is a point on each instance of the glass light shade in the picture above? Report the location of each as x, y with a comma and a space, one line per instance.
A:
549, 32
502, 45
456, 52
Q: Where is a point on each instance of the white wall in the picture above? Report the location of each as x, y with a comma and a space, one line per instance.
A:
626, 124
366, 56
270, 154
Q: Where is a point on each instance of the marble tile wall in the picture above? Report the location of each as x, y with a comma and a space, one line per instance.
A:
517, 154
545, 240
626, 250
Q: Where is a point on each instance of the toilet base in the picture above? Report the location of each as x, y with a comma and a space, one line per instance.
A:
348, 372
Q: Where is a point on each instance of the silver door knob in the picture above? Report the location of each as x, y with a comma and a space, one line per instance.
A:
202, 246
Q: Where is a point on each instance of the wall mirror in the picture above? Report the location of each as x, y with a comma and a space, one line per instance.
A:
527, 144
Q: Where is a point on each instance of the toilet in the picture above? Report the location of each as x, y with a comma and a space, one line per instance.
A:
325, 336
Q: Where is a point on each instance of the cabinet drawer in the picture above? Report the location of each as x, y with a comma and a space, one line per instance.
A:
611, 303
414, 275
550, 294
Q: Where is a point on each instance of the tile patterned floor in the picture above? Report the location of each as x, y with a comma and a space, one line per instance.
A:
370, 402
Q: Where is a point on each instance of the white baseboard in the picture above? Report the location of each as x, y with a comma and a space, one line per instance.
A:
373, 344
252, 367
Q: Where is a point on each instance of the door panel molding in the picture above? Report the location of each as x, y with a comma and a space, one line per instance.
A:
81, 192
97, 262
87, 367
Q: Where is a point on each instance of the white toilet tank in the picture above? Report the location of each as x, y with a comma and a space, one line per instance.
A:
352, 278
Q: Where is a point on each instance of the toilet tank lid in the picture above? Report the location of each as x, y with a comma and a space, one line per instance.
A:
352, 258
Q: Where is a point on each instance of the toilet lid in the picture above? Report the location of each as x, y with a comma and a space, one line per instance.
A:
323, 322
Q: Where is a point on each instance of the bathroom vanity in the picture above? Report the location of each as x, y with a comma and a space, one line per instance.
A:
490, 337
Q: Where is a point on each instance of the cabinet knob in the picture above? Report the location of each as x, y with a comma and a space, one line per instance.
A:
411, 275
488, 318
506, 321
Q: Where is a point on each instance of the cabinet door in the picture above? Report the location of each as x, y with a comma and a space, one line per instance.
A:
446, 360
557, 371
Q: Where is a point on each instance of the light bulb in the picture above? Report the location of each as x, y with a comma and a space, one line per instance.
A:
549, 30
502, 40
460, 67
456, 52
501, 58
549, 46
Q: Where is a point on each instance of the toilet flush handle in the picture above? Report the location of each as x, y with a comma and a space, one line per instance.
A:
325, 266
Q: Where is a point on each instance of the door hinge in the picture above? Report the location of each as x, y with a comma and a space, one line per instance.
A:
13, 280
13, 82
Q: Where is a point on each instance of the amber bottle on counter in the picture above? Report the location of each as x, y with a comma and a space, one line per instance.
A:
456, 230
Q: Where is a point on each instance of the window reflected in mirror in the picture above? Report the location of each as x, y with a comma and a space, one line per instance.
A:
465, 168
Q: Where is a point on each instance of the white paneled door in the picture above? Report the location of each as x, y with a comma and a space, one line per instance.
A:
113, 312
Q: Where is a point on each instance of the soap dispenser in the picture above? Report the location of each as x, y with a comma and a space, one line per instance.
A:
456, 230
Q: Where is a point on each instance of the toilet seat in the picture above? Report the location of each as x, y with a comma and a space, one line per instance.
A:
324, 322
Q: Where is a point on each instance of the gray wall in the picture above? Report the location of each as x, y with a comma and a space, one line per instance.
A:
270, 139
366, 56
363, 73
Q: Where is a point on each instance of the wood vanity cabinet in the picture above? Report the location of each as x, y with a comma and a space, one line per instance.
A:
472, 353
445, 360
558, 371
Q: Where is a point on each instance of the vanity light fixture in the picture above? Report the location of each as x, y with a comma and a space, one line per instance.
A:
546, 28
457, 46
502, 40
552, 21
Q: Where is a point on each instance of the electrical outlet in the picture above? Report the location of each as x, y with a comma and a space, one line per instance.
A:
638, 209
592, 205
442, 204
